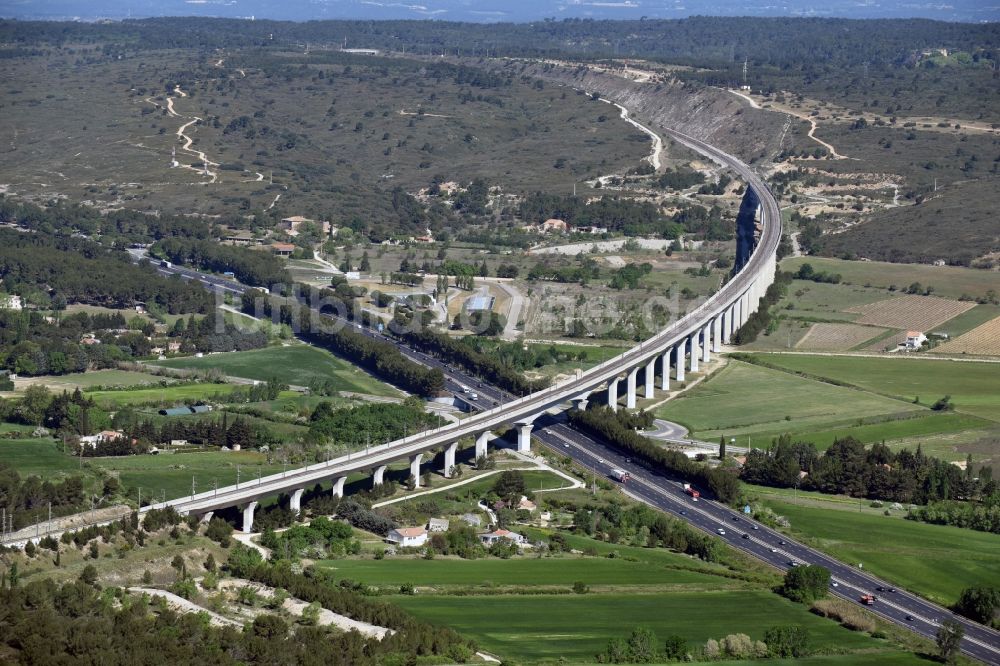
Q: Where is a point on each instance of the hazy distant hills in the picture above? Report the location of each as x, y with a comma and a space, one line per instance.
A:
496, 10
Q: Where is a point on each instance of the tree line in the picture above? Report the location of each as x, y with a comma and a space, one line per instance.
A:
377, 356
48, 622
878, 473
413, 638
217, 432
479, 364
28, 498
116, 227
374, 423
618, 428
252, 267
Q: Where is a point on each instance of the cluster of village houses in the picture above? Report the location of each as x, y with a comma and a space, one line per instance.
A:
415, 537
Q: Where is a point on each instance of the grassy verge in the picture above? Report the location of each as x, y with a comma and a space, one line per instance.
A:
935, 561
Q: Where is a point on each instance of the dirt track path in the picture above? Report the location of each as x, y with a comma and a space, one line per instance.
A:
812, 123
182, 135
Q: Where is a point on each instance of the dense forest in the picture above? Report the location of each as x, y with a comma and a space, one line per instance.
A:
114, 227
75, 270
806, 44
253, 267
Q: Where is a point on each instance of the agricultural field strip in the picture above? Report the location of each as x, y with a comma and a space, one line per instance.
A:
984, 339
910, 312
837, 337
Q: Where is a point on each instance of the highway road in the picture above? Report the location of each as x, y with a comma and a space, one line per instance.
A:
664, 493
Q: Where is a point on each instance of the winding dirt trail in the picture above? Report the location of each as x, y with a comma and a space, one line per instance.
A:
812, 123
182, 135
657, 150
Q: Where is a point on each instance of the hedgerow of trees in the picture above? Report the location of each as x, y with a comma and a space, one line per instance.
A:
613, 427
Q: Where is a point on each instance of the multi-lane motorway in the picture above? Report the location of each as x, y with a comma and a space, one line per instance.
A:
664, 493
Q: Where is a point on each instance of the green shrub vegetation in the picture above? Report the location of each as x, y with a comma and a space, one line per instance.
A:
806, 584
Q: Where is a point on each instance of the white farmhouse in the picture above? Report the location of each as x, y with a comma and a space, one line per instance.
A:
408, 537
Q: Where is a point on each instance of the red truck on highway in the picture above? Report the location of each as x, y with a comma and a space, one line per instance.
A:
690, 490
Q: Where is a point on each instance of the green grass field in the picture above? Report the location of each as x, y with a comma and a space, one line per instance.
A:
936, 561
828, 301
84, 380
924, 425
948, 281
968, 320
165, 473
40, 456
164, 395
576, 627
596, 571
171, 474
972, 386
746, 399
296, 364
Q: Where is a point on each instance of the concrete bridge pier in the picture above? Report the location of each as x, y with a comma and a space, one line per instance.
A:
248, 510
449, 459
717, 333
207, 516
665, 360
630, 395
613, 394
679, 360
581, 401
706, 341
295, 501
415, 460
481, 441
378, 476
524, 436
693, 343
338, 486
650, 379
730, 323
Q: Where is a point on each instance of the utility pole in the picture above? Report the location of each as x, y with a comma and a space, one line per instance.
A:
237, 476
139, 503
192, 486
